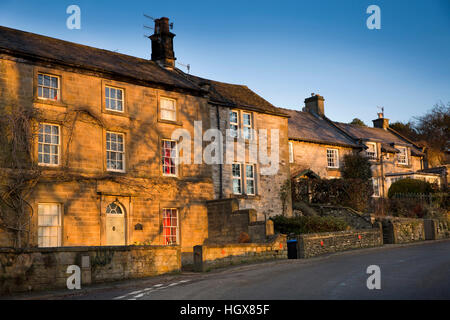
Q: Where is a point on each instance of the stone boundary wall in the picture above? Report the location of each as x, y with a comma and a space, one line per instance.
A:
316, 244
46, 269
403, 230
209, 257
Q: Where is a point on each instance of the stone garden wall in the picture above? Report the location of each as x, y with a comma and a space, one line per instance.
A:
316, 244
403, 230
215, 256
44, 269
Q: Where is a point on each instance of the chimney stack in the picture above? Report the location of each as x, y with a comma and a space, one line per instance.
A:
315, 105
162, 44
381, 122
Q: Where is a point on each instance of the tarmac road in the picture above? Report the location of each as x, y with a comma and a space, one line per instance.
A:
419, 271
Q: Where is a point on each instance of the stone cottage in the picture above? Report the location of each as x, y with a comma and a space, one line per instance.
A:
239, 114
109, 169
318, 145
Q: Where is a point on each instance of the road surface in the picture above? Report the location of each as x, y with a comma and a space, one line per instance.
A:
419, 271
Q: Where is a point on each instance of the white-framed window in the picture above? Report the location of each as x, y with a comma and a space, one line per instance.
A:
376, 187
170, 226
114, 99
234, 124
403, 155
237, 178
48, 87
291, 152
333, 158
168, 109
115, 151
48, 144
372, 150
250, 179
49, 225
169, 158
247, 126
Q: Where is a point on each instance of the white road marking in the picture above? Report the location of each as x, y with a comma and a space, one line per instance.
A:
140, 293
184, 281
135, 292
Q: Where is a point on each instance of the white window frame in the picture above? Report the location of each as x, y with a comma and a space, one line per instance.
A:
376, 187
175, 158
51, 144
176, 227
174, 110
372, 155
43, 226
43, 86
405, 160
335, 158
236, 124
110, 150
291, 152
109, 99
237, 178
251, 179
247, 126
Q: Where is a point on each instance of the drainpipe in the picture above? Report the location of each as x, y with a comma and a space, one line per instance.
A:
382, 182
221, 150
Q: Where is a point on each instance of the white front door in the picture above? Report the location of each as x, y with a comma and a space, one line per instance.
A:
115, 225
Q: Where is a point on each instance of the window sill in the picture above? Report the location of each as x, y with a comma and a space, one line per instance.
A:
116, 113
166, 176
175, 123
57, 103
245, 196
333, 169
116, 172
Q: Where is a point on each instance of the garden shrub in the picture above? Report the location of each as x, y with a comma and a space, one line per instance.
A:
353, 193
310, 224
410, 186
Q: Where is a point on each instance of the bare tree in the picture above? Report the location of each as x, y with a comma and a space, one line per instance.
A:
19, 173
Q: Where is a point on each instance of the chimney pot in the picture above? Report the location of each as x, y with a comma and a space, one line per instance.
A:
162, 44
315, 105
381, 122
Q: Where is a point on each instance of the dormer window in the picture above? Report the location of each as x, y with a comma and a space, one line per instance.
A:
372, 150
403, 155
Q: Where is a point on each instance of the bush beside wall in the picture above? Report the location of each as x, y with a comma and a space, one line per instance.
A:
310, 224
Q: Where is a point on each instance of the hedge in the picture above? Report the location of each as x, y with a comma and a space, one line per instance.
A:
308, 224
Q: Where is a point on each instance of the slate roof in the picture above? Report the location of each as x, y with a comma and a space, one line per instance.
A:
235, 96
388, 138
40, 47
304, 126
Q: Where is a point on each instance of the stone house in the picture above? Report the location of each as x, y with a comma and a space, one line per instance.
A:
239, 114
316, 147
109, 165
103, 144
318, 144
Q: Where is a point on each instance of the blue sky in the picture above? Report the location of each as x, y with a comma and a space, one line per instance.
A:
283, 50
